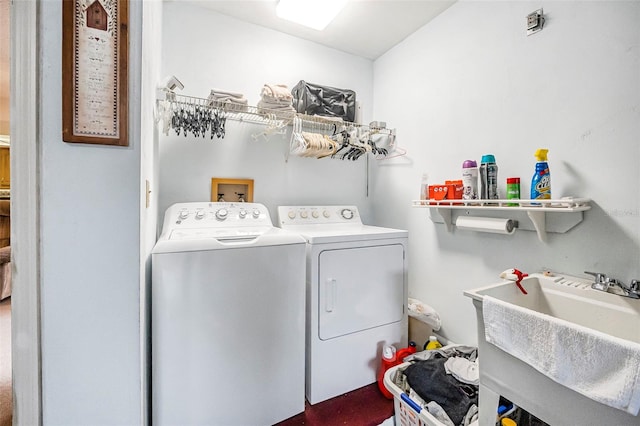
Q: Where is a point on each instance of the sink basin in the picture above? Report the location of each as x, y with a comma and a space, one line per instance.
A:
569, 299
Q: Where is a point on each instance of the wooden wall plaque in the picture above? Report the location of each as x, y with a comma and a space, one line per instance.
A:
95, 48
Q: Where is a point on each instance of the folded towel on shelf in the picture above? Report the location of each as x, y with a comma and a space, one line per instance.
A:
276, 99
276, 91
230, 99
275, 103
599, 366
275, 107
220, 92
236, 101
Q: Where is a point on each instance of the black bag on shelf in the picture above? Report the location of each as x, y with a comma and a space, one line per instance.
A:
313, 99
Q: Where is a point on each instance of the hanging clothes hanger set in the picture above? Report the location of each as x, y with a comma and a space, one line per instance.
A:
348, 143
196, 119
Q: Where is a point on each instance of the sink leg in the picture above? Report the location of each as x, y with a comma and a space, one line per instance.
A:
488, 406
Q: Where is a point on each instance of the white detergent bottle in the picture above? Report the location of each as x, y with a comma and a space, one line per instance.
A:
470, 180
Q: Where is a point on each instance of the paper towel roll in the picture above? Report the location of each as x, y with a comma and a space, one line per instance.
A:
487, 224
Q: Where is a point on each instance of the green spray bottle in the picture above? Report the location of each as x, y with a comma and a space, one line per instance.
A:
541, 181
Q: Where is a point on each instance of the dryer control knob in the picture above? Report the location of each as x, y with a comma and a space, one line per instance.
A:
292, 214
315, 214
222, 214
347, 213
242, 213
255, 213
199, 214
184, 214
326, 214
304, 214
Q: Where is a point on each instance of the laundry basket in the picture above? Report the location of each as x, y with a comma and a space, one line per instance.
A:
408, 412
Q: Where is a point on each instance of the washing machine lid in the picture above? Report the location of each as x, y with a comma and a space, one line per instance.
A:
217, 226
194, 239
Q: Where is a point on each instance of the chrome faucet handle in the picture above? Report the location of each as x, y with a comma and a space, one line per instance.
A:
601, 281
631, 290
613, 281
599, 276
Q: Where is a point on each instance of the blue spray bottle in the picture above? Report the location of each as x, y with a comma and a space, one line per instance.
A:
541, 181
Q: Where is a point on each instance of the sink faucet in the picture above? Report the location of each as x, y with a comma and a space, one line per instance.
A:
603, 283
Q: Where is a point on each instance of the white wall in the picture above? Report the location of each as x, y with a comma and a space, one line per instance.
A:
207, 50
90, 245
471, 82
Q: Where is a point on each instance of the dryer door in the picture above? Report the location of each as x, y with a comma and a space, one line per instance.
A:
360, 288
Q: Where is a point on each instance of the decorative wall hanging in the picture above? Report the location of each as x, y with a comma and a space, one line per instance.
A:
95, 47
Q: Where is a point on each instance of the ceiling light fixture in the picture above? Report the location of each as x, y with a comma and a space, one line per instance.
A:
314, 14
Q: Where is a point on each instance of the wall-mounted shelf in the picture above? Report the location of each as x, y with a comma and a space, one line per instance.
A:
259, 115
312, 136
542, 216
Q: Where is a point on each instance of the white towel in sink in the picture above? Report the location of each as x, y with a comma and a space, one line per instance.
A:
597, 365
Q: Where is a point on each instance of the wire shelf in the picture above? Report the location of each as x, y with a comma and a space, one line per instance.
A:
264, 116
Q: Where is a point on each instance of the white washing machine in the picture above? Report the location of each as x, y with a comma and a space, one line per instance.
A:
356, 285
227, 314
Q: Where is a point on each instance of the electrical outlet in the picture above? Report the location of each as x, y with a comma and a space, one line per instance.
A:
535, 22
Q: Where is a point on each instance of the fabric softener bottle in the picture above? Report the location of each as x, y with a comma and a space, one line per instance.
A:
488, 178
541, 181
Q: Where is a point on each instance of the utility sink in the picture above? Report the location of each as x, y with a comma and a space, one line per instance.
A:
569, 299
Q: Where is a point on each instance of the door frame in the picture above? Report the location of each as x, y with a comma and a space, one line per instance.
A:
25, 213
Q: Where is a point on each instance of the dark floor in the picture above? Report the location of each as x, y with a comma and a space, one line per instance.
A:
362, 407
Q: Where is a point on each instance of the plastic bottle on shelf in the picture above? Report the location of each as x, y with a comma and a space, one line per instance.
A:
424, 187
470, 180
513, 190
433, 343
488, 178
541, 181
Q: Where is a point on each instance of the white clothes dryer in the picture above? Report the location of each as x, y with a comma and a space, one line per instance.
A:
227, 317
356, 286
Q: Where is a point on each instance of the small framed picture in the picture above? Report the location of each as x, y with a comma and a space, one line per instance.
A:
232, 190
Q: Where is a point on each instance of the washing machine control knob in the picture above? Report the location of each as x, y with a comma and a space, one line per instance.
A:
222, 214
304, 214
326, 214
199, 214
255, 213
315, 214
184, 214
292, 214
347, 213
242, 213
